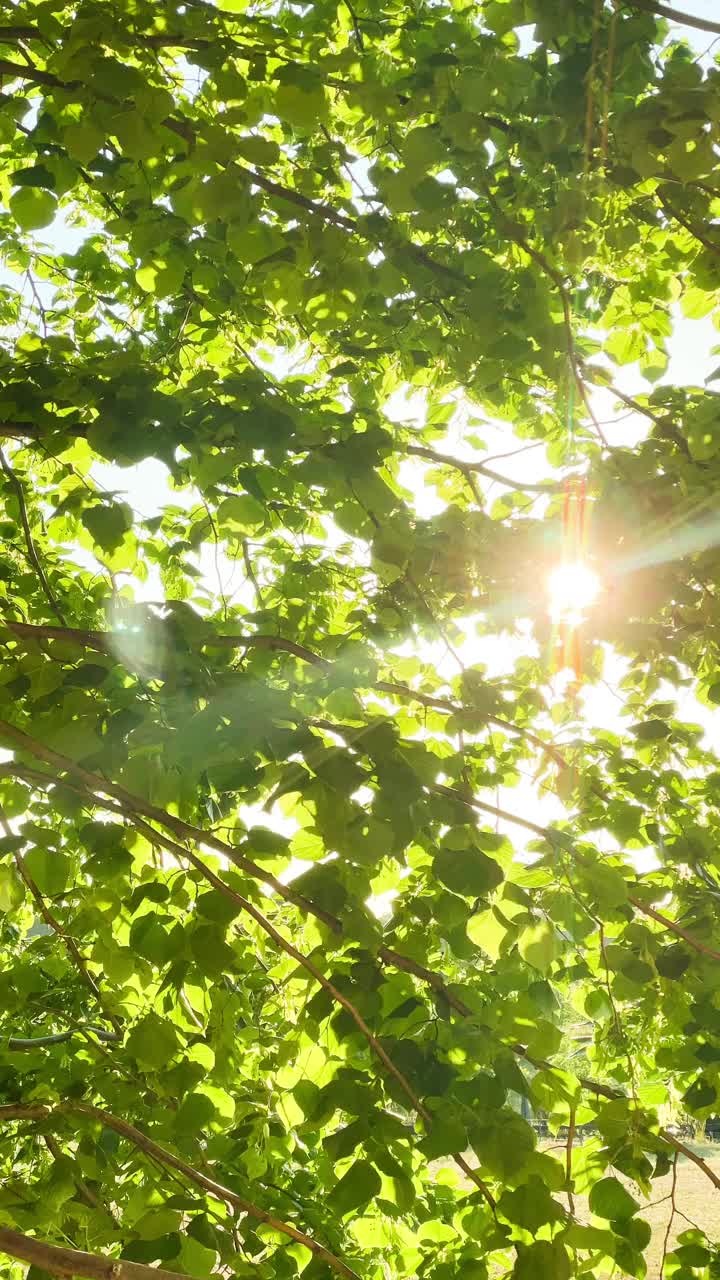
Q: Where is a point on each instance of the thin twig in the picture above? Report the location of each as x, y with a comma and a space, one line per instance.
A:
53, 923
252, 577
673, 1210
356, 26
433, 455
670, 209
29, 543
84, 1191
102, 641
568, 1160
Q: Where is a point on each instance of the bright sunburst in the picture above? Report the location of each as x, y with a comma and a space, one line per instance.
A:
572, 589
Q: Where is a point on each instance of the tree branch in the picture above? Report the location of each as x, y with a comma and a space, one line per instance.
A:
68, 942
61, 1261
102, 641
541, 486
546, 833
670, 209
84, 1191
186, 130
386, 954
675, 15
47, 1111
19, 1044
136, 805
29, 543
245, 905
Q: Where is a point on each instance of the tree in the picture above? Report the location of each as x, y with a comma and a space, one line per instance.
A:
230, 235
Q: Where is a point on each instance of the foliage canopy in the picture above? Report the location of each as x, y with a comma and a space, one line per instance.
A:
230, 235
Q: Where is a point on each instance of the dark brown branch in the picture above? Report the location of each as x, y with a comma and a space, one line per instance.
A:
20, 71
18, 431
43, 1111
58, 1260
29, 543
133, 804
674, 15
676, 929
385, 954
356, 26
540, 486
691, 1155
102, 641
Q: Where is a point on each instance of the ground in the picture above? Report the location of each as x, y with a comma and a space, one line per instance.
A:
695, 1198
697, 1202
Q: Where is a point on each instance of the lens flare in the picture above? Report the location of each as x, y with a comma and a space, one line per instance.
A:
572, 589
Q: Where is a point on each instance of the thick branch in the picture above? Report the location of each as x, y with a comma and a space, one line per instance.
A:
103, 642
60, 1261
674, 15
133, 804
43, 1111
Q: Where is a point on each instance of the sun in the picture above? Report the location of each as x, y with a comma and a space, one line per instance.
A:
572, 589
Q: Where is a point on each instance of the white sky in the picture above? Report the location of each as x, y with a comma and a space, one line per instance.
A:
146, 487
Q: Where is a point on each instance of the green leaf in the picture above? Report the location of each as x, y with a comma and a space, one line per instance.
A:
304, 108
609, 1199
673, 961
152, 1042
357, 1186
701, 1095
107, 523
49, 869
195, 1113
12, 890
195, 1259
83, 141
543, 1260
242, 511
538, 945
35, 176
468, 872
486, 930
33, 208
530, 1206
651, 730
